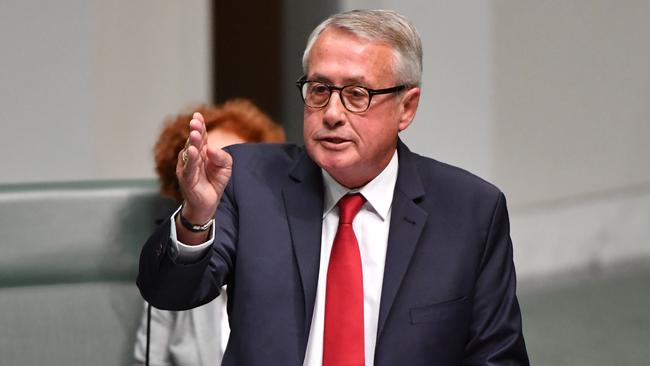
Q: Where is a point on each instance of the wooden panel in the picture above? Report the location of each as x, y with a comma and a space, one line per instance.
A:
247, 53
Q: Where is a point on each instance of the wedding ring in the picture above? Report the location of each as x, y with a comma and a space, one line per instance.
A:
184, 156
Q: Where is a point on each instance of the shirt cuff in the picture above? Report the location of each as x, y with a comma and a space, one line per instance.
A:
187, 254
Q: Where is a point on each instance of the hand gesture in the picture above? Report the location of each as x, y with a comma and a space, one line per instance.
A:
202, 172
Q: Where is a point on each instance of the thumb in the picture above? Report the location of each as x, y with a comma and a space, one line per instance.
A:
218, 158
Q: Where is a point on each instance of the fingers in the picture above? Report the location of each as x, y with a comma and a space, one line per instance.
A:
188, 163
189, 158
198, 116
198, 124
198, 136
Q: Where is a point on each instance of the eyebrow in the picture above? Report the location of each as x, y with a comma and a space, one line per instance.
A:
359, 80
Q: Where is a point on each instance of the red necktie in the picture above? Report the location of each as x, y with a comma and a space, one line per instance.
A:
343, 335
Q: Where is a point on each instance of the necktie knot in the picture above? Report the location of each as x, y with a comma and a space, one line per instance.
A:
349, 206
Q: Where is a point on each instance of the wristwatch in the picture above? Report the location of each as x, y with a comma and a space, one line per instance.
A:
195, 228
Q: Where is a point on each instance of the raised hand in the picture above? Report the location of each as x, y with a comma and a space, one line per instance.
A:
202, 172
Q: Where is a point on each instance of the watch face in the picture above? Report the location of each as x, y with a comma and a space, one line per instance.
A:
201, 228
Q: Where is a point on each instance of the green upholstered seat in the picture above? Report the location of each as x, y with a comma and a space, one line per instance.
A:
68, 261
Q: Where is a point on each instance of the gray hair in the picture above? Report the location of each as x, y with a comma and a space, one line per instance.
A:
379, 26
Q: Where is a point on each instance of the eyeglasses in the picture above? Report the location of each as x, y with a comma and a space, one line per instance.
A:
356, 99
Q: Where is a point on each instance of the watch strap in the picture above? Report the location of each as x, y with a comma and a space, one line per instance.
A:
195, 228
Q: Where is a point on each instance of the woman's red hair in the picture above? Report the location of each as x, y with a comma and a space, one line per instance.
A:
238, 116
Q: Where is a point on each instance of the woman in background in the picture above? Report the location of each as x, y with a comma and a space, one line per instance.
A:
197, 336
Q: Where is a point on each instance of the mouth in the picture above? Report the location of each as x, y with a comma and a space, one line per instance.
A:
333, 142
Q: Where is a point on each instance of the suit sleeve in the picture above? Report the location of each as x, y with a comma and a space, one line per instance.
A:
496, 332
169, 285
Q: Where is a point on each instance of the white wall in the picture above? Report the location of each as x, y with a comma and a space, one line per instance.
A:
550, 101
454, 120
573, 97
85, 85
572, 130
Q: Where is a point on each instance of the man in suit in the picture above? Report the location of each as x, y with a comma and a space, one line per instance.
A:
352, 250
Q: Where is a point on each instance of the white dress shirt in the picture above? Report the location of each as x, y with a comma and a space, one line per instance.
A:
371, 229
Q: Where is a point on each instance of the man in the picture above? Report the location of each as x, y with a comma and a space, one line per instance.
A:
418, 269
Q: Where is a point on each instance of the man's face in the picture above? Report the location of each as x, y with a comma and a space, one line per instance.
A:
355, 147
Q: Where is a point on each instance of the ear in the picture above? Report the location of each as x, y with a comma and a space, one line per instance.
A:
409, 103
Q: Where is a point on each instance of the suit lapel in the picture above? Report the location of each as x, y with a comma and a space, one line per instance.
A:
303, 198
407, 222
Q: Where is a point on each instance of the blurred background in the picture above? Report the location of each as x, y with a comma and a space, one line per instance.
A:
549, 100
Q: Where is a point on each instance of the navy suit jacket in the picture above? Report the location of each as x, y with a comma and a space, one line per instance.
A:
448, 295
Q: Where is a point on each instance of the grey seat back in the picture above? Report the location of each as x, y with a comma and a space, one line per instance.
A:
69, 256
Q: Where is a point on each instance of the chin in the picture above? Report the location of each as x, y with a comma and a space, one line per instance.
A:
330, 164
332, 160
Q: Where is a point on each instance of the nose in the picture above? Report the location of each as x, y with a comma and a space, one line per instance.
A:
334, 112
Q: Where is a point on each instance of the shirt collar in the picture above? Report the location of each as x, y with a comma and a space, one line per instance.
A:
378, 192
